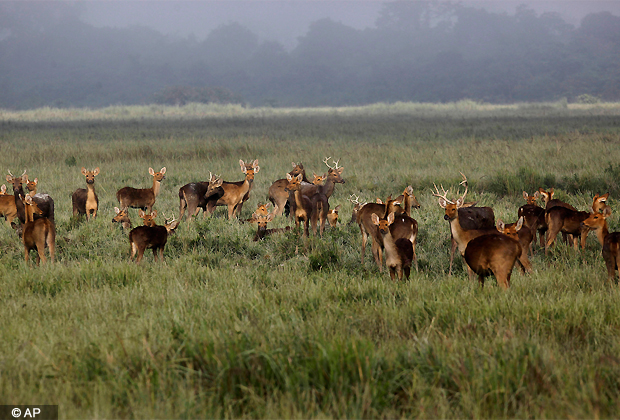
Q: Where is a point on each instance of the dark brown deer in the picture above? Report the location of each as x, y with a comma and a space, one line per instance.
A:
141, 198
309, 210
261, 220
356, 208
37, 234
369, 229
495, 254
277, 191
154, 237
236, 193
18, 194
333, 177
85, 200
197, 195
122, 217
610, 241
533, 217
563, 219
399, 253
522, 234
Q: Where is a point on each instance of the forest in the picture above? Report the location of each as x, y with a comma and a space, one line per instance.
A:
423, 51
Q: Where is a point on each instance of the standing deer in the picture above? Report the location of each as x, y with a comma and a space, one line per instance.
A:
399, 253
277, 191
356, 208
533, 216
85, 200
141, 198
333, 177
37, 234
44, 202
199, 195
235, 193
522, 234
610, 241
122, 217
18, 194
152, 237
492, 254
307, 209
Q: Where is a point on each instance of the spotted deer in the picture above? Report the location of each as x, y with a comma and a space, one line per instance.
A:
152, 237
610, 241
278, 196
85, 200
37, 234
236, 193
141, 198
399, 253
122, 217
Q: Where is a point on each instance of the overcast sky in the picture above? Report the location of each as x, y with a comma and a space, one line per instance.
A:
285, 20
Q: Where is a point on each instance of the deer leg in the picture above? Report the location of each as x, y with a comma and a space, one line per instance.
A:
481, 280
307, 227
161, 254
141, 250
231, 211
552, 233
133, 250
407, 272
376, 252
364, 239
155, 254
51, 245
452, 251
393, 273
524, 262
26, 254
415, 258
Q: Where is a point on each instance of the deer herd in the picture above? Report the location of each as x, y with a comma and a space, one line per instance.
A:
487, 246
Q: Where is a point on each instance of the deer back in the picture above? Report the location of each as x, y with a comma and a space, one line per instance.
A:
142, 198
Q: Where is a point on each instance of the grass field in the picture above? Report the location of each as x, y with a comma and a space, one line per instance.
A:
298, 328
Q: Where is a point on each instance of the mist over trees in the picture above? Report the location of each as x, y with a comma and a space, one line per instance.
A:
422, 51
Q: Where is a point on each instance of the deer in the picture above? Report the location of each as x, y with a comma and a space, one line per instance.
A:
522, 234
141, 198
356, 208
148, 219
152, 237
37, 233
122, 217
466, 220
533, 216
610, 241
3, 190
235, 193
332, 216
18, 194
261, 220
492, 253
307, 209
198, 195
278, 196
85, 200
399, 253
261, 210
44, 201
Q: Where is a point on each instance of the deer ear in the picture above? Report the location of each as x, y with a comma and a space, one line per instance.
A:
375, 219
294, 165
117, 210
379, 201
300, 177
337, 207
242, 164
267, 205
9, 178
289, 177
459, 203
536, 195
390, 218
270, 217
256, 169
525, 195
607, 212
154, 214
96, 171
500, 225
141, 213
36, 181
163, 170
519, 224
151, 171
339, 171
83, 170
3, 188
442, 203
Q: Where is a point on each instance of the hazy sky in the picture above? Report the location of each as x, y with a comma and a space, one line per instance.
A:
285, 20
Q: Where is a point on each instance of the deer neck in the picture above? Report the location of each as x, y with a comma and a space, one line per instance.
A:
299, 202
90, 191
391, 252
328, 188
602, 233
156, 187
407, 204
459, 234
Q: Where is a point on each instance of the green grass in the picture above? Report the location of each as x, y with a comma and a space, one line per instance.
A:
293, 327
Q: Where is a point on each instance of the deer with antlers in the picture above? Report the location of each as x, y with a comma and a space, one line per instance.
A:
463, 236
277, 191
142, 198
234, 193
200, 195
357, 205
152, 237
85, 200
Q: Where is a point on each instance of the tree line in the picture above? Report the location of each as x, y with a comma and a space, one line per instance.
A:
423, 51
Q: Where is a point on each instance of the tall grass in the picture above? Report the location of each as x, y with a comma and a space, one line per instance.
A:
293, 327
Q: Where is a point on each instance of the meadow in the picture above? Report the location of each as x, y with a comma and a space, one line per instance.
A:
290, 327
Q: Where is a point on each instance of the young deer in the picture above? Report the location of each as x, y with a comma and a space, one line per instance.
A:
522, 234
533, 216
610, 241
152, 237
18, 195
307, 209
141, 198
492, 254
261, 220
85, 200
277, 191
399, 253
236, 193
332, 216
37, 234
122, 217
148, 219
563, 219
198, 195
44, 201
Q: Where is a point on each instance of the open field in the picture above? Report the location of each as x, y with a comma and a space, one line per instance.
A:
288, 327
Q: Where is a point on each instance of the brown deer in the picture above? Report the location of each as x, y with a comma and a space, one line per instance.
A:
399, 253
495, 254
37, 234
18, 194
277, 191
522, 234
235, 193
8, 209
310, 210
318, 179
533, 217
261, 220
547, 197
332, 216
261, 210
333, 177
563, 219
122, 217
148, 219
44, 201
369, 229
152, 237
356, 208
610, 241
199, 195
85, 200
3, 190
141, 198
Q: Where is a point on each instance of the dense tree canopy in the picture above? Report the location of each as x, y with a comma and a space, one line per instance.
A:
418, 51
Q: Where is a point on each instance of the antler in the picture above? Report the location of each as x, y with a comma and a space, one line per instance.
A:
166, 218
443, 194
327, 164
464, 182
357, 199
